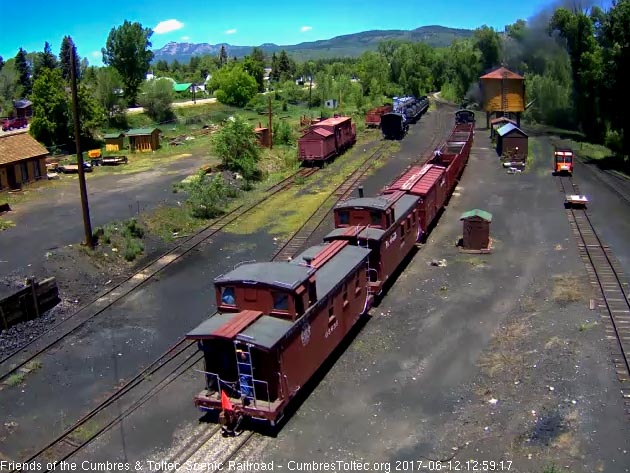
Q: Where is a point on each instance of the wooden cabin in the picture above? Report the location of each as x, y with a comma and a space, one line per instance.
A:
512, 142
503, 94
476, 234
114, 141
144, 140
22, 160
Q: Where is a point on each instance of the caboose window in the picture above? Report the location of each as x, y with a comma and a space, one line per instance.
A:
375, 218
227, 296
344, 217
280, 301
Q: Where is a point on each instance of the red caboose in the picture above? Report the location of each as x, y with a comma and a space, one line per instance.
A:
277, 324
326, 139
388, 225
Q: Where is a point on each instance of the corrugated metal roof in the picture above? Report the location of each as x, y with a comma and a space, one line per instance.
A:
322, 131
494, 121
418, 180
487, 216
278, 274
181, 87
334, 121
22, 103
111, 136
379, 203
141, 131
505, 129
501, 73
14, 148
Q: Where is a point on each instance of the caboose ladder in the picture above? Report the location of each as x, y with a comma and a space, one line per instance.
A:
245, 371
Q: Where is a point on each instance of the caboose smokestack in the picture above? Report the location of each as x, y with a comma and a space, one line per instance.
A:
360, 189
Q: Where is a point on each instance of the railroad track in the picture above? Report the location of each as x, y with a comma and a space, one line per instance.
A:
17, 360
608, 278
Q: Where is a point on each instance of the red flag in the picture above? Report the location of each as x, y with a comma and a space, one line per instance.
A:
226, 405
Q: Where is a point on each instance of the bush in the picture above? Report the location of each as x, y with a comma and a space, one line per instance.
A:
207, 196
132, 229
132, 248
282, 133
237, 146
156, 97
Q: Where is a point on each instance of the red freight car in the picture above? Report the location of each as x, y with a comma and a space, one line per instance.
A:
427, 182
373, 117
276, 325
388, 225
339, 132
278, 322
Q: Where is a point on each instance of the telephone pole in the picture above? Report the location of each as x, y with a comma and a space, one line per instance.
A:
270, 129
77, 138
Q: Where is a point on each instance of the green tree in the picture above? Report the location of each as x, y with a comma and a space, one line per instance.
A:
128, 51
577, 30
488, 42
616, 40
156, 97
286, 69
374, 73
24, 72
234, 86
161, 66
275, 71
1, 63
256, 69
91, 114
65, 55
223, 57
108, 85
237, 146
8, 87
517, 30
50, 109
44, 60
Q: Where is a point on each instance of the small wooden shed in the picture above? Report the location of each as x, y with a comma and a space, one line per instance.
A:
497, 123
512, 142
144, 139
114, 141
23, 108
264, 136
476, 234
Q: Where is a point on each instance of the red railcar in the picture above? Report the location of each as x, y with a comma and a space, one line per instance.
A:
326, 139
428, 182
278, 322
373, 117
388, 225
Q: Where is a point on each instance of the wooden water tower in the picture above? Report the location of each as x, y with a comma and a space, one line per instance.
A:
503, 94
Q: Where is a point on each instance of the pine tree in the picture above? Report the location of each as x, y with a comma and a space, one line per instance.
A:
223, 57
64, 57
275, 71
45, 60
23, 70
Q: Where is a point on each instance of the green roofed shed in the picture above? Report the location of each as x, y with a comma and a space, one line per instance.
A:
476, 234
181, 87
487, 216
114, 141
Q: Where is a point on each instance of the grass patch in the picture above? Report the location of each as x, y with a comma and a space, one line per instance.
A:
86, 431
33, 365
123, 239
6, 224
15, 379
566, 289
504, 356
587, 326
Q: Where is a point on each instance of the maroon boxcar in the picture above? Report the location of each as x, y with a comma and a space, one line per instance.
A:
277, 323
317, 144
373, 117
388, 225
338, 130
427, 182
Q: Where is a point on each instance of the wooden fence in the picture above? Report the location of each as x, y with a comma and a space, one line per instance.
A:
29, 303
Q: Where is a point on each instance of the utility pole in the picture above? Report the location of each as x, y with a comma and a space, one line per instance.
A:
270, 126
77, 138
310, 91
194, 87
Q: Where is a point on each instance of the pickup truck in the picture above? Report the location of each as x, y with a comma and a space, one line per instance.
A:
13, 123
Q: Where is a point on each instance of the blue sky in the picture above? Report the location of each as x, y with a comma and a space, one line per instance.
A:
240, 22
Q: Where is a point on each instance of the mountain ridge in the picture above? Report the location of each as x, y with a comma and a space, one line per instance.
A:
352, 44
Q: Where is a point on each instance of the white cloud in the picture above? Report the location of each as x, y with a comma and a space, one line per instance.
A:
185, 38
167, 26
304, 29
96, 54
232, 31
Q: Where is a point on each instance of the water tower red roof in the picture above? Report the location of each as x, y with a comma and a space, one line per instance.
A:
501, 73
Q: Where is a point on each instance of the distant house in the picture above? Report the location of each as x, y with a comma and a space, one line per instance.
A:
144, 140
114, 141
23, 108
149, 76
22, 160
